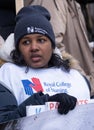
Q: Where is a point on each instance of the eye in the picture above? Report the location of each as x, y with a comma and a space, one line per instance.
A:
41, 40
25, 42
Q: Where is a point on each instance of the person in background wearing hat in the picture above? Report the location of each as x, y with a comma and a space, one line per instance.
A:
38, 74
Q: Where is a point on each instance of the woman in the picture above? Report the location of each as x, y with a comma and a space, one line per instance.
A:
41, 74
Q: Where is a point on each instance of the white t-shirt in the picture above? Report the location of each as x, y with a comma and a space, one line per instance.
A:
48, 80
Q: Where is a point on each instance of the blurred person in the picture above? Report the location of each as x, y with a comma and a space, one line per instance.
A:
88, 12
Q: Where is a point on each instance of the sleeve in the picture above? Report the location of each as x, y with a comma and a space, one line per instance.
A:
92, 96
87, 81
9, 109
5, 75
8, 104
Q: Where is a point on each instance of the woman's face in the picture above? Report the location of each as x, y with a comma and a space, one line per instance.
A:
36, 50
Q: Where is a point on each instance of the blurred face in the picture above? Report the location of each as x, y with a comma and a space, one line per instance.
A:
36, 50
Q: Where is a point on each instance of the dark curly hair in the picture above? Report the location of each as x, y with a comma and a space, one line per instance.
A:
55, 60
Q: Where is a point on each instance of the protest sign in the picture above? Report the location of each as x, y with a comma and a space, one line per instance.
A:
81, 118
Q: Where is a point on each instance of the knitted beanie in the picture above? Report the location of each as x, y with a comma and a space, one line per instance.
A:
31, 20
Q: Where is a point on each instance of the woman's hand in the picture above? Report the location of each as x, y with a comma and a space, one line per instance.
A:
66, 102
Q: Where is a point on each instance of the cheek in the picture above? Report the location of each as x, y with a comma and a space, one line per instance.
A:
48, 53
23, 50
50, 49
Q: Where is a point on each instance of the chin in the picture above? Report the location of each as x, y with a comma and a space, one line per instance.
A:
39, 66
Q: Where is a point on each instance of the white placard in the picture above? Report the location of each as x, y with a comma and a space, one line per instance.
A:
81, 118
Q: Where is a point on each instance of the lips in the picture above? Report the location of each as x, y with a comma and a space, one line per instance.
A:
35, 58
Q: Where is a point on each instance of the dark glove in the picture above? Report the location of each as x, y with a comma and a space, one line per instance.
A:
13, 111
66, 102
36, 99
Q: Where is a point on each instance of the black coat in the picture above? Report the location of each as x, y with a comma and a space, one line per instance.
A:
9, 108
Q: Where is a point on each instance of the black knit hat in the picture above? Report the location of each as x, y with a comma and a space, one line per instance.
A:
33, 19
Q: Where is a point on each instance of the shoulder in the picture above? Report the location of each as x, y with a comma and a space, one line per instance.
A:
79, 75
75, 72
7, 96
8, 67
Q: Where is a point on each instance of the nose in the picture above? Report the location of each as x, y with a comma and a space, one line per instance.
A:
34, 46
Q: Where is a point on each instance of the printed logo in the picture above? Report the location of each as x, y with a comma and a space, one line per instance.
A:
35, 85
36, 30
30, 87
